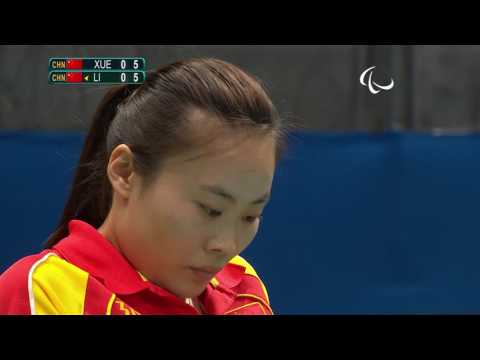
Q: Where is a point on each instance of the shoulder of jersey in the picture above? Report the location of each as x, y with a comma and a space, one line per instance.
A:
251, 282
43, 283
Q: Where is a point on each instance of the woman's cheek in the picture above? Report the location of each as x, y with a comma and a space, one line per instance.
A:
184, 221
251, 233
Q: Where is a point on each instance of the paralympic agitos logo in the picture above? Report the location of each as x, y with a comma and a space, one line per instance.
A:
372, 85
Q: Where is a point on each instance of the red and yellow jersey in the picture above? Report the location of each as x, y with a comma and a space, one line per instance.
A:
85, 275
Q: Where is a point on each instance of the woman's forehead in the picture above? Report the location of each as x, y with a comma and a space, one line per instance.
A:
249, 163
230, 149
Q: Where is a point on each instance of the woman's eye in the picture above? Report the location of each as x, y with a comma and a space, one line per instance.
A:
210, 212
213, 213
251, 219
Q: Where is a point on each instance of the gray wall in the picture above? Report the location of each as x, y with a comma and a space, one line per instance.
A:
316, 86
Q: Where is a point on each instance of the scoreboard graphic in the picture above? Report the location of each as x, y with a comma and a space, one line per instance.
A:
107, 71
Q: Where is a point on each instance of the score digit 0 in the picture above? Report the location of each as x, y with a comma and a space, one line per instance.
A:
135, 64
123, 77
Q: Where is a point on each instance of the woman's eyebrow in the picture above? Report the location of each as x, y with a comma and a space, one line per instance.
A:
217, 190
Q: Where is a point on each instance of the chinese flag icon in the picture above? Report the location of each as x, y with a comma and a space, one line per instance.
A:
74, 77
74, 64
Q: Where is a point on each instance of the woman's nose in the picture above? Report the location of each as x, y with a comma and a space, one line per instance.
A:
224, 243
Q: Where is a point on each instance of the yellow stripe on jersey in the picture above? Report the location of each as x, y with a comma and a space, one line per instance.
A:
265, 291
238, 260
214, 282
56, 287
110, 303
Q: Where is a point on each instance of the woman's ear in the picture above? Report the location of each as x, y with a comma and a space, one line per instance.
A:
120, 170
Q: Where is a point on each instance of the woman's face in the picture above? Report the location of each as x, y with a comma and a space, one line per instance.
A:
198, 213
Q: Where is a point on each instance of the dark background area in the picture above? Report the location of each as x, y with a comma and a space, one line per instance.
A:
436, 86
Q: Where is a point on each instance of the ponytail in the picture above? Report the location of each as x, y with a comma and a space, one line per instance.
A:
90, 196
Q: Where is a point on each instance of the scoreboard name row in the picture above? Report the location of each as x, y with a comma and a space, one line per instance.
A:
110, 77
103, 64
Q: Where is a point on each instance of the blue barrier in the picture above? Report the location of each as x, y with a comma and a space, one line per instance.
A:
357, 223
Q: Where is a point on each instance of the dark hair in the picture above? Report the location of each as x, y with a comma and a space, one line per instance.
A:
152, 119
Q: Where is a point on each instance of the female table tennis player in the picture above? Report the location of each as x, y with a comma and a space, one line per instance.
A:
169, 190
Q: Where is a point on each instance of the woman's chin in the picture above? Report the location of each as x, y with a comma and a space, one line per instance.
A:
192, 289
191, 292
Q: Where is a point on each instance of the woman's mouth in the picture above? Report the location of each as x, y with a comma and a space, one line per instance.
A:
204, 274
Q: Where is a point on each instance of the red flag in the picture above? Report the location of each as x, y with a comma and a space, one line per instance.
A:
74, 64
74, 77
